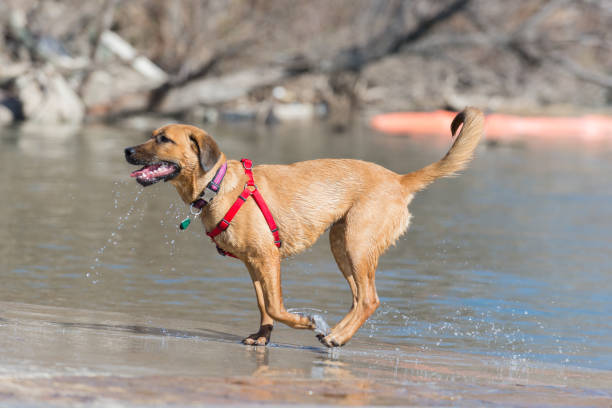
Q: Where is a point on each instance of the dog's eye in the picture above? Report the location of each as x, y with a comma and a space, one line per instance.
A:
163, 139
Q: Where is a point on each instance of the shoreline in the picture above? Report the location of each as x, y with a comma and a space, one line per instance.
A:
54, 356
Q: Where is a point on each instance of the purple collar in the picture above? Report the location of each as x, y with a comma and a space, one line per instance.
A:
211, 189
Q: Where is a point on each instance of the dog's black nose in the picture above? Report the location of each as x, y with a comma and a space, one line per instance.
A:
129, 151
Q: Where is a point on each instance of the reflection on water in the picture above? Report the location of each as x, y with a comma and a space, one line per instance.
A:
510, 259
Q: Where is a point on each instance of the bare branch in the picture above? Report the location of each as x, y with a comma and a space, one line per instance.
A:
392, 39
582, 72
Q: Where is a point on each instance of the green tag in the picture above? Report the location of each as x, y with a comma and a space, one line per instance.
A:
185, 223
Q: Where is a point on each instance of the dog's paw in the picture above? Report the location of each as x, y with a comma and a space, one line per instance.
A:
253, 340
329, 341
261, 338
321, 328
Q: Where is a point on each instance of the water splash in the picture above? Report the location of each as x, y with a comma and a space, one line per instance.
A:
321, 326
93, 274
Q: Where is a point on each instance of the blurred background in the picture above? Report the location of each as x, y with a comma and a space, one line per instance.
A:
271, 61
511, 259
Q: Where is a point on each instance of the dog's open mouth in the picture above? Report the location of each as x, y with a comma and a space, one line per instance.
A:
153, 173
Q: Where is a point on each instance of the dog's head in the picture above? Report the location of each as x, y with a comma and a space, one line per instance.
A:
174, 152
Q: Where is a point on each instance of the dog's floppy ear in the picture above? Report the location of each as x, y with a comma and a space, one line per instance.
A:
206, 148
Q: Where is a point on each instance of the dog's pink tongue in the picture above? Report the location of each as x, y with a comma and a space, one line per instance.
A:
146, 171
154, 171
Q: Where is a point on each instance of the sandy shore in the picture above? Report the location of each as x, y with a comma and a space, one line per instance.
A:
62, 357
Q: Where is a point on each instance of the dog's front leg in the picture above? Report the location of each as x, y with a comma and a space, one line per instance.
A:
267, 273
262, 337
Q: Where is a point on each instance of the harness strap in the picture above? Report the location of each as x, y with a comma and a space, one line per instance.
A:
231, 213
267, 215
261, 203
250, 189
248, 170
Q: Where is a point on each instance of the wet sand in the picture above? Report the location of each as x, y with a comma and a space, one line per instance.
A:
53, 356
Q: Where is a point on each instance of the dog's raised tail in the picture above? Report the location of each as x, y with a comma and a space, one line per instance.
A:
459, 155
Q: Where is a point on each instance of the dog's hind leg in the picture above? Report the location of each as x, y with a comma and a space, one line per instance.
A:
357, 242
262, 337
267, 272
337, 241
365, 301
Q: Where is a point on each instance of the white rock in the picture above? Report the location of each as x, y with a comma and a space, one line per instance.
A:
6, 116
47, 98
293, 112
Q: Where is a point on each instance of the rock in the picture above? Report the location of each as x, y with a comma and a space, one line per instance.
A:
238, 115
12, 110
116, 89
47, 98
6, 116
11, 71
202, 114
283, 95
289, 112
145, 123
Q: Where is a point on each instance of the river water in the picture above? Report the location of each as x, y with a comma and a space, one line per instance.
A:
512, 259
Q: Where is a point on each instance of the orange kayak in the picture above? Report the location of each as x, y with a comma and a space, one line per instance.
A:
499, 126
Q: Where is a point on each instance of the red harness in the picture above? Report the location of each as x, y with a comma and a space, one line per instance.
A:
231, 213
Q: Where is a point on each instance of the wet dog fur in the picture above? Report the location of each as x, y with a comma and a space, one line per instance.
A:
364, 206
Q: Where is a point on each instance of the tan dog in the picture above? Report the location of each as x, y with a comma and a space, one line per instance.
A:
364, 205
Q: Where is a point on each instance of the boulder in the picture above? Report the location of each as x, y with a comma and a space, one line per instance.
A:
291, 112
6, 116
46, 97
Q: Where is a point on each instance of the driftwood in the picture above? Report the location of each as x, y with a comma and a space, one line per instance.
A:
159, 94
103, 25
130, 55
217, 90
